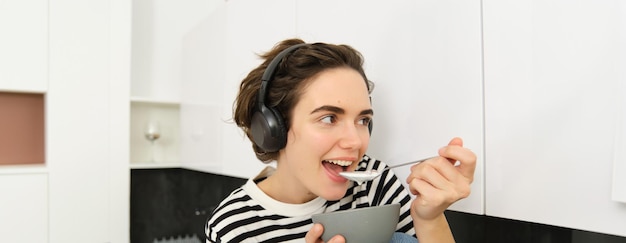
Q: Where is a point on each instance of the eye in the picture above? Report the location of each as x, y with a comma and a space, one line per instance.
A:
329, 119
365, 121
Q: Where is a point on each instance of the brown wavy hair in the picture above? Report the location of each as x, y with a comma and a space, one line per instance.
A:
290, 80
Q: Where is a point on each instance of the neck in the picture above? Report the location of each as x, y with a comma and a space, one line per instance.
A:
285, 188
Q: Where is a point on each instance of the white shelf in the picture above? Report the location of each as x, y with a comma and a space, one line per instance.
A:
23, 169
24, 91
154, 165
144, 100
166, 148
206, 168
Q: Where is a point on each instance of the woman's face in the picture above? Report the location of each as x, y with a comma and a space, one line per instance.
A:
328, 134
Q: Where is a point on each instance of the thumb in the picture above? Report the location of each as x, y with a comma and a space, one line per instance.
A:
456, 141
455, 152
314, 233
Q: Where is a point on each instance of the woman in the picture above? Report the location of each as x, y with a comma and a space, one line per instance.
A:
307, 107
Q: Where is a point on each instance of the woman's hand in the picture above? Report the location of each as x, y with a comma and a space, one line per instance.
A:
315, 235
437, 183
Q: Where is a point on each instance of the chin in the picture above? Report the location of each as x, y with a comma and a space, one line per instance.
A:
334, 194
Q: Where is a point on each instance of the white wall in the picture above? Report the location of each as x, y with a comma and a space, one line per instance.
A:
552, 75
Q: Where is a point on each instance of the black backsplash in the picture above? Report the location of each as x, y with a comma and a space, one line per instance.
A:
177, 202
174, 202
472, 228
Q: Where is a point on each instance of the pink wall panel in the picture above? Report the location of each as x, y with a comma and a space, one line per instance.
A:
22, 128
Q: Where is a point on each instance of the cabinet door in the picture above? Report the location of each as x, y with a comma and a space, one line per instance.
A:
204, 71
87, 121
250, 32
24, 45
619, 159
24, 207
551, 92
217, 55
425, 59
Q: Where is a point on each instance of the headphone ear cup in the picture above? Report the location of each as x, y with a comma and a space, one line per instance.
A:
268, 130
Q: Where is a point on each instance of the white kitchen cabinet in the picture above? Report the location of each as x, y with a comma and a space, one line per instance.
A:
77, 55
161, 30
619, 157
24, 201
548, 80
257, 32
87, 121
24, 45
204, 72
419, 55
249, 32
219, 52
552, 75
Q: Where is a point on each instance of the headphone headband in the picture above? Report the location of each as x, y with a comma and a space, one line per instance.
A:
270, 70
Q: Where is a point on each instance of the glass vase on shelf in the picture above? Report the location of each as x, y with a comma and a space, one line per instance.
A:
152, 132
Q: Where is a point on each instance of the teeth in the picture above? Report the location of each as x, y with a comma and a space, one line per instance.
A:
341, 162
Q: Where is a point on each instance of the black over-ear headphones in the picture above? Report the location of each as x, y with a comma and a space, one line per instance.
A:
267, 125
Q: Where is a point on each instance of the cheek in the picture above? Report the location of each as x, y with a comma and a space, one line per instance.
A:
310, 139
366, 142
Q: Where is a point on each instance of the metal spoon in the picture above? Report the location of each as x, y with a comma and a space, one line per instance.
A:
362, 176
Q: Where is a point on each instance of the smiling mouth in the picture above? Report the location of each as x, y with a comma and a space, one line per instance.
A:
337, 165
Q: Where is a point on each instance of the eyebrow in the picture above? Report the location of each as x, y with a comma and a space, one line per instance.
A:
339, 110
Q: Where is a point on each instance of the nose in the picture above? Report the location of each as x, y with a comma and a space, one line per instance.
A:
352, 137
